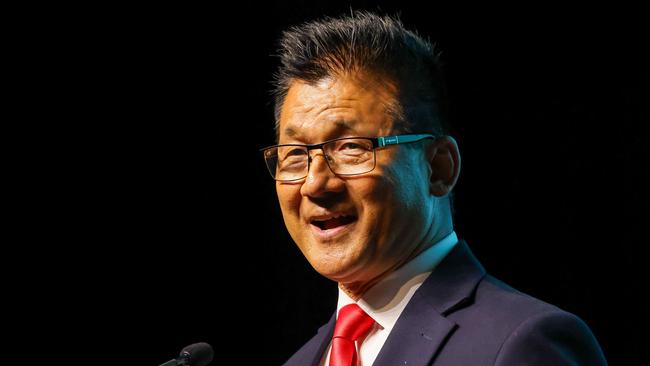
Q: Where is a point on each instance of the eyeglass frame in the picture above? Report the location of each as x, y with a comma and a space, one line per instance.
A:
377, 143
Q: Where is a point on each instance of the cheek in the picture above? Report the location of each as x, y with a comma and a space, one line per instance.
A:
377, 202
409, 180
289, 199
394, 198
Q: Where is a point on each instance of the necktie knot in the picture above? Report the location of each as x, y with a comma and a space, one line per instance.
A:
352, 323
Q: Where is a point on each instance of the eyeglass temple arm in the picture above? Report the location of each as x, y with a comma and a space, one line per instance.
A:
403, 139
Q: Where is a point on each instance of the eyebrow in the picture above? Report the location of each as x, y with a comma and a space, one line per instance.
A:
339, 125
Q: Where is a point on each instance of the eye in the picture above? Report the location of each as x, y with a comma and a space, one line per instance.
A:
292, 152
351, 146
296, 152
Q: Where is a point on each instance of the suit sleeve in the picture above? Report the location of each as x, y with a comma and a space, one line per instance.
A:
551, 338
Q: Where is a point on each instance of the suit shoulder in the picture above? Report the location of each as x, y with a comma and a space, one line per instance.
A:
536, 332
552, 337
499, 309
494, 293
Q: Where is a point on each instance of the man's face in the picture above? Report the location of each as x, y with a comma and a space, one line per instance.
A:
353, 229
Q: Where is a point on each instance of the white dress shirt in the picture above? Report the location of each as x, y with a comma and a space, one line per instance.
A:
386, 300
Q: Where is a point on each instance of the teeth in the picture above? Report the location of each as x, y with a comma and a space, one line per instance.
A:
335, 216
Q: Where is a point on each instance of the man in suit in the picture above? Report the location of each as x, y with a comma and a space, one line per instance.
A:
364, 171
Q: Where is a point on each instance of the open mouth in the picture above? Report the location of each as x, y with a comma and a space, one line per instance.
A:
334, 222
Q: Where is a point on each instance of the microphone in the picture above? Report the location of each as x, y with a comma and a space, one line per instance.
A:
197, 354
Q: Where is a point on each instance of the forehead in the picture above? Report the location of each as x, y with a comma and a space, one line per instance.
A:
333, 107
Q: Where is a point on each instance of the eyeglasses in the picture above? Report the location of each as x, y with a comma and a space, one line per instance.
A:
344, 156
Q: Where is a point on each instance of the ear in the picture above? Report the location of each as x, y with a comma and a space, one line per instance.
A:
443, 157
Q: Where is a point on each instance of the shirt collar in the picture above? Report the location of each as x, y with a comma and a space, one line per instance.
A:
386, 300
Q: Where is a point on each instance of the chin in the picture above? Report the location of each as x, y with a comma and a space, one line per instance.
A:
346, 270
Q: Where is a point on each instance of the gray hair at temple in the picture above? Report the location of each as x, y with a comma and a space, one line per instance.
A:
379, 45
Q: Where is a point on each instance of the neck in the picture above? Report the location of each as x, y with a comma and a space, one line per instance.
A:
355, 290
438, 230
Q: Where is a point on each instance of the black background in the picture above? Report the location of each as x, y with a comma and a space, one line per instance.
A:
171, 233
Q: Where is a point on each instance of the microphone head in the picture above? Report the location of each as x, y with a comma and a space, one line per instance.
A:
198, 354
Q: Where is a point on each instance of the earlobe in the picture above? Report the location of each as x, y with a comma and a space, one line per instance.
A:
444, 160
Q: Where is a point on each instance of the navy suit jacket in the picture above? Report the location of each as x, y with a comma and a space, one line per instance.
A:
462, 316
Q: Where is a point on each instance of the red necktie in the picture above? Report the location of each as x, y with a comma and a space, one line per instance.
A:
352, 324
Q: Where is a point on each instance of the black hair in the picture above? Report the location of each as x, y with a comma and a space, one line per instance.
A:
380, 45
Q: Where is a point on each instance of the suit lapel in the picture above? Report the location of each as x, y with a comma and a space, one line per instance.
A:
423, 328
418, 333
312, 352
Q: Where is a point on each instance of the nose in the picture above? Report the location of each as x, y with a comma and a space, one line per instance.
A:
320, 180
